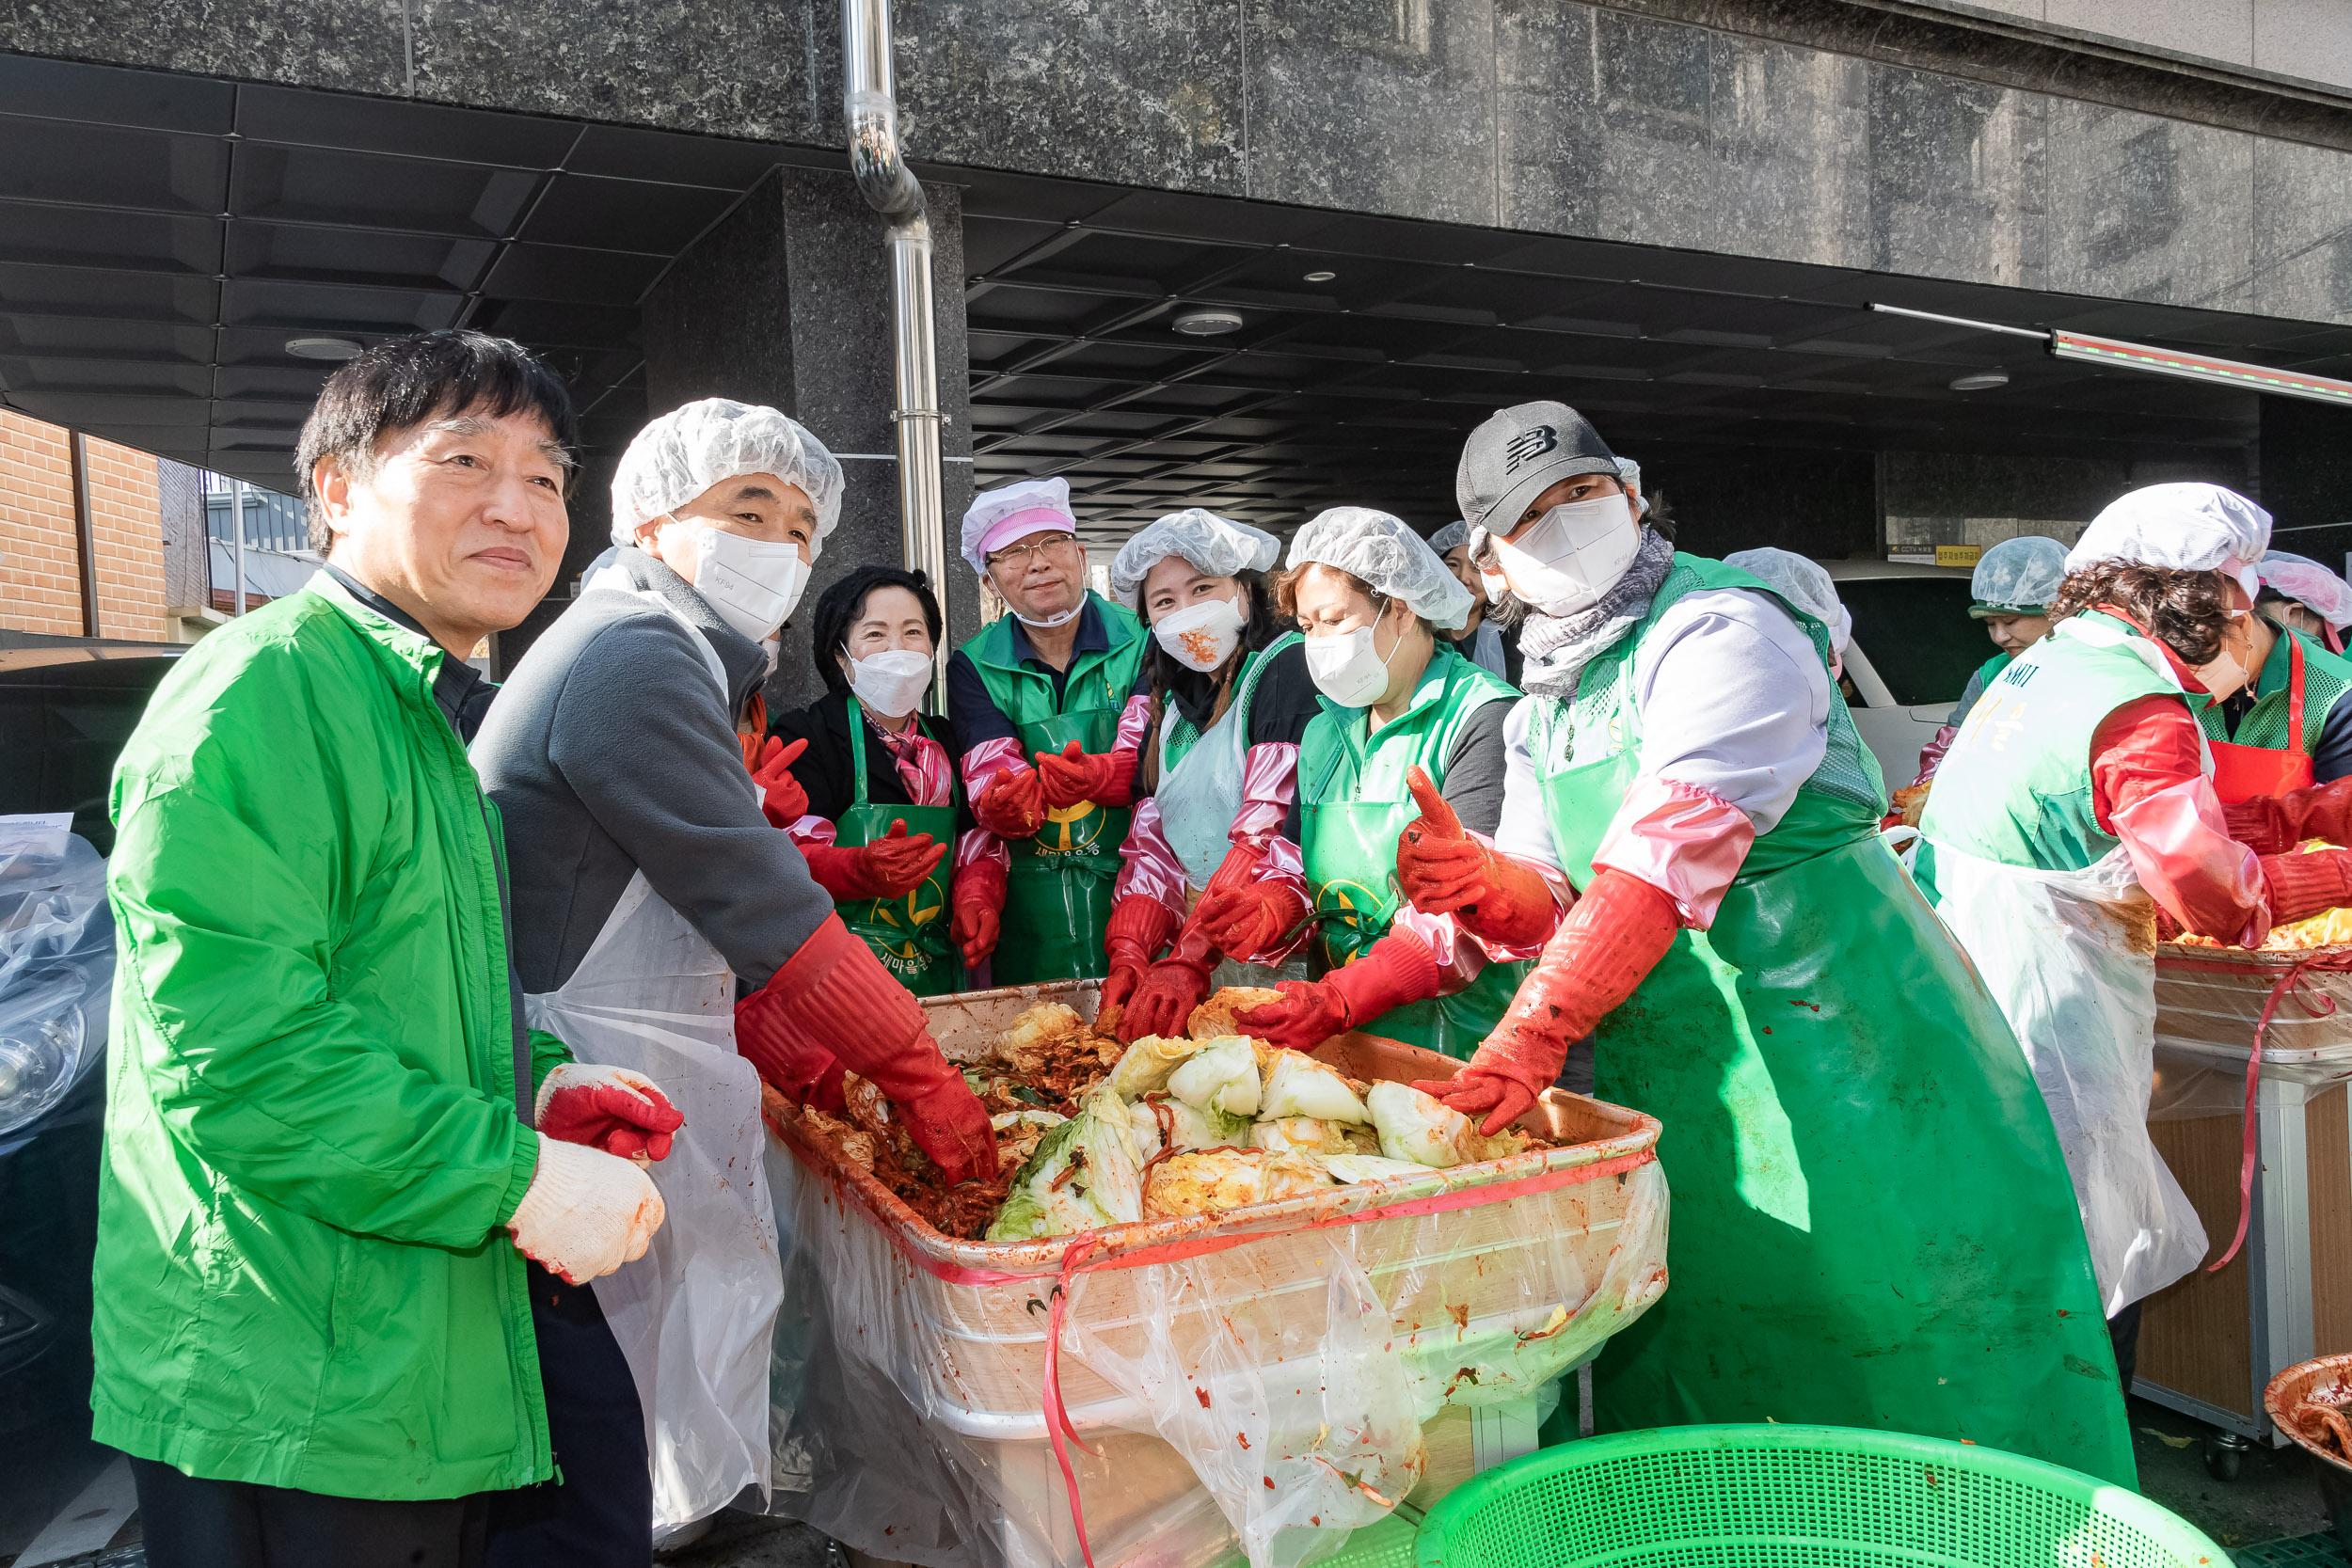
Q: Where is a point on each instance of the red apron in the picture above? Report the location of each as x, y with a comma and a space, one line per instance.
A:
2242, 772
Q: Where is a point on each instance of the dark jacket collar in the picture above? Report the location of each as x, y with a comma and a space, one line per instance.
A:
1094, 635
458, 687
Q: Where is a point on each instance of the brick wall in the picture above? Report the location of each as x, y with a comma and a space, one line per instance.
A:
40, 586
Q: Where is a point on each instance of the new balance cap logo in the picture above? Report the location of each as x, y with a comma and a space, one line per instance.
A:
1527, 444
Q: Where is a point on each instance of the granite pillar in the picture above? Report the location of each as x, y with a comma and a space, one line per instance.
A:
787, 302
2307, 478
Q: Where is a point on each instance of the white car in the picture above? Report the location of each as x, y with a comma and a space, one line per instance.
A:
1913, 651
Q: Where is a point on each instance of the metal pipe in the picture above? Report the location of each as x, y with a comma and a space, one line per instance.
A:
84, 530
869, 109
237, 495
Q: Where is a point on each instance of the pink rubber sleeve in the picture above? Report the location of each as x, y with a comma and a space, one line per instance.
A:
2182, 849
982, 763
1681, 840
979, 843
1148, 866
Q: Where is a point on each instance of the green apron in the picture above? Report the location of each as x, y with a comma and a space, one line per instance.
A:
1057, 898
910, 935
1354, 802
1873, 1225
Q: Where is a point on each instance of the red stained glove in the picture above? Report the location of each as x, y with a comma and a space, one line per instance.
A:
609, 1108
781, 798
1445, 871
1398, 969
2302, 886
976, 900
2272, 825
890, 867
1106, 777
1613, 939
1241, 915
1012, 805
1163, 1003
1138, 927
832, 998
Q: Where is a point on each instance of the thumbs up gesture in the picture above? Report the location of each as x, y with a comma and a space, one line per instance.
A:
1439, 866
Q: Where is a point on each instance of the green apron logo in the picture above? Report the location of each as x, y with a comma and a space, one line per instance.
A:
1071, 830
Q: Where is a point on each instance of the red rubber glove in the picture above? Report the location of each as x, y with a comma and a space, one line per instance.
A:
1398, 969
1105, 778
781, 798
2302, 886
2272, 825
1445, 871
1241, 915
834, 997
1611, 940
1012, 805
976, 900
611, 1108
890, 867
1171, 989
1138, 927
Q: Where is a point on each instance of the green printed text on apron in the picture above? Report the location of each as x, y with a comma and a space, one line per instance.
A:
909, 934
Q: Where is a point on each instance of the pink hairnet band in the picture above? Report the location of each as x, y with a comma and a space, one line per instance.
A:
1033, 520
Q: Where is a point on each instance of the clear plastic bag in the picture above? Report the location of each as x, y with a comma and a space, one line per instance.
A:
1259, 1386
56, 967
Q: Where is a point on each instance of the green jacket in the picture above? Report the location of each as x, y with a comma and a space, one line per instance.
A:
311, 1122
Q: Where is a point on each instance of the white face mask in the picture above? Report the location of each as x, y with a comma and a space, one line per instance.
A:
752, 585
1572, 555
1052, 620
1202, 636
1347, 666
891, 684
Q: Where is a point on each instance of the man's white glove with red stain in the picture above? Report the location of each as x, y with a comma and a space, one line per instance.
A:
609, 1108
585, 1213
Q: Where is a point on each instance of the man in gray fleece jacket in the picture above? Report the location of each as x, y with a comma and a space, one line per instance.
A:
613, 752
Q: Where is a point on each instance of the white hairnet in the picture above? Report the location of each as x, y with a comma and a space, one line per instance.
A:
1630, 475
1382, 551
2020, 575
688, 450
1216, 546
1446, 538
1028, 505
2310, 584
1803, 583
2184, 527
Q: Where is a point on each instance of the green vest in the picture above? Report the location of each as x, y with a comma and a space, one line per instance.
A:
2015, 787
1873, 1225
1354, 802
1059, 898
909, 933
2326, 678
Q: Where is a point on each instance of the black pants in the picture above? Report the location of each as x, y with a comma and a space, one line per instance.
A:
599, 1515
2124, 1331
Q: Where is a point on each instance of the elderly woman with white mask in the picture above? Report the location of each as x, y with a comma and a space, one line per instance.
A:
647, 881
1229, 699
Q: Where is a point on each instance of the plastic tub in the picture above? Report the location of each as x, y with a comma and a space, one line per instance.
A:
2329, 1380
1798, 1496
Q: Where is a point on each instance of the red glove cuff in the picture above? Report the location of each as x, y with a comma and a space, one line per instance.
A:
1140, 926
1614, 937
1399, 969
836, 870
2302, 886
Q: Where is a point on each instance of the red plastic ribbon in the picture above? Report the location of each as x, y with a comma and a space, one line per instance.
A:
1058, 1425
2315, 1007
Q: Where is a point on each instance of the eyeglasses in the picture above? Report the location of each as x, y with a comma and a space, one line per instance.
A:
1020, 555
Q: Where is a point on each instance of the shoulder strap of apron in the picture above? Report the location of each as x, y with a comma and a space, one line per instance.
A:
857, 754
2295, 691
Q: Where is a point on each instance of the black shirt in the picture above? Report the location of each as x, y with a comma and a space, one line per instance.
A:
823, 769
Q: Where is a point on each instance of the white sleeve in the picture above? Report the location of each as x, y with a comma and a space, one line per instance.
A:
1733, 702
1523, 831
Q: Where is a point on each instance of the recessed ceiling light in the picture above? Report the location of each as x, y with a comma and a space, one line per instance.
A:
1206, 324
1321, 277
1980, 381
322, 348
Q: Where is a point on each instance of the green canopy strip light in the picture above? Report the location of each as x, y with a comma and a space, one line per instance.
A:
2087, 349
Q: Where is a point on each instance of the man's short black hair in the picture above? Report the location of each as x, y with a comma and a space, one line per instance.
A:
838, 607
403, 382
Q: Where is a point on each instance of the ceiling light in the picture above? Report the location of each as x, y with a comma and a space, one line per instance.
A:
1980, 381
1321, 277
1206, 324
336, 349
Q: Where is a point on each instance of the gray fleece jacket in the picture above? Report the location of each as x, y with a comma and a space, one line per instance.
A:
610, 748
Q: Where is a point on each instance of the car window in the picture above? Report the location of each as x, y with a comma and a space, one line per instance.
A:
1917, 635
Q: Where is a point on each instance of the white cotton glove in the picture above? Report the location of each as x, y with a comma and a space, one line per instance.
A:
610, 1108
585, 1213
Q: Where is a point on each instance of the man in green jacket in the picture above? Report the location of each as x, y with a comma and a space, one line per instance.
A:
325, 1121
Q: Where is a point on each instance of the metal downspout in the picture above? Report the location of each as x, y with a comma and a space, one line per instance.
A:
869, 106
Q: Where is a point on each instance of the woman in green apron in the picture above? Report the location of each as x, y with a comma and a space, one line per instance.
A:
1873, 1225
882, 807
1229, 699
1371, 596
2012, 591
1048, 725
2289, 726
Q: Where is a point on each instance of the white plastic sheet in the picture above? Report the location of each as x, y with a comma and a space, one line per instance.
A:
1266, 1399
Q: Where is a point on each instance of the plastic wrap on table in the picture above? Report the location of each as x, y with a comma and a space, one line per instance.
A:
1259, 1383
56, 967
2209, 1001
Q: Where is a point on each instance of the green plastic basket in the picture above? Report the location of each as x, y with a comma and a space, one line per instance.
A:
1797, 1497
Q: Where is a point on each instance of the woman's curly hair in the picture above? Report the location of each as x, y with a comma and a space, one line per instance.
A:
2186, 611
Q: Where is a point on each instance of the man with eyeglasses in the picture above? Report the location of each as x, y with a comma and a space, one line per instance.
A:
1048, 722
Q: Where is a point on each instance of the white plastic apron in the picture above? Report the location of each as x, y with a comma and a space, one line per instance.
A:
696, 1314
1200, 796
